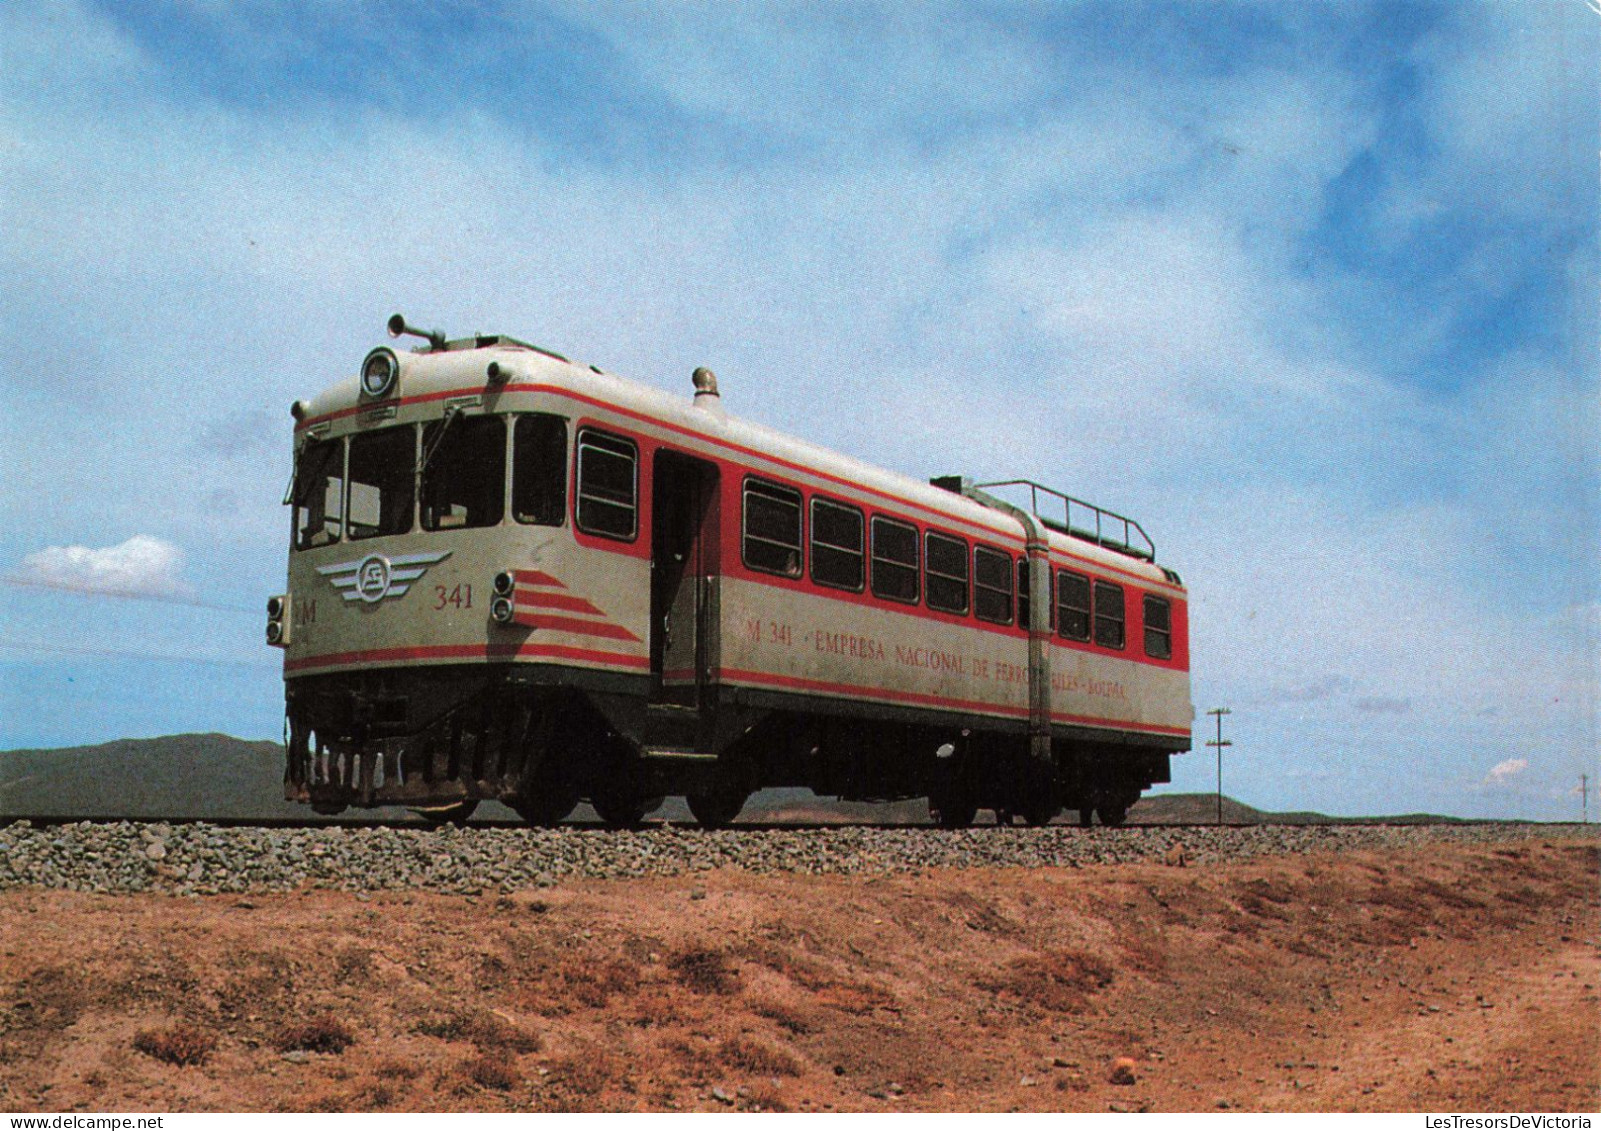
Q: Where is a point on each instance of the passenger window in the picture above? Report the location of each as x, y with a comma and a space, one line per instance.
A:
319, 493
383, 468
539, 470
894, 560
1072, 605
946, 565
464, 472
838, 556
992, 585
607, 479
1109, 614
772, 528
1158, 628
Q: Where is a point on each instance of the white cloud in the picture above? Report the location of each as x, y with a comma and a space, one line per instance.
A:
1504, 771
142, 566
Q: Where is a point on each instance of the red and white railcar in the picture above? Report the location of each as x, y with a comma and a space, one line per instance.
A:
521, 578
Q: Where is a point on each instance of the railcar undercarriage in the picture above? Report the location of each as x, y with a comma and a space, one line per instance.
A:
440, 740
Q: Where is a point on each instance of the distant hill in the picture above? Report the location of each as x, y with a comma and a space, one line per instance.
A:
180, 775
213, 776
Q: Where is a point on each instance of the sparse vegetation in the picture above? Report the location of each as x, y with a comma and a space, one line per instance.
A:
1061, 981
493, 1070
183, 1044
484, 1028
320, 1034
750, 1055
704, 971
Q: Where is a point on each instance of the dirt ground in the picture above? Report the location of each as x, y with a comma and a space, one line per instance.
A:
1456, 978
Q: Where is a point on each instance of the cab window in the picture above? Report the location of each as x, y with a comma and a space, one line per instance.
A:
383, 467
319, 494
539, 470
464, 472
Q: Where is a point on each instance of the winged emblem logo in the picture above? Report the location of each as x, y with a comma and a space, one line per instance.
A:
375, 577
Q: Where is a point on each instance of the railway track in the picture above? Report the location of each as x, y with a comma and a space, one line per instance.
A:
211, 858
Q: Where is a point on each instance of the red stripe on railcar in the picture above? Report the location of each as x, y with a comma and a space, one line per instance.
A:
447, 652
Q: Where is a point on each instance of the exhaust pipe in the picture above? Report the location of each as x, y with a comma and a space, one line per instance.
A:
397, 327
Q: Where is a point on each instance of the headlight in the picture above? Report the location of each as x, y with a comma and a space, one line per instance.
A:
502, 610
505, 583
379, 371
278, 621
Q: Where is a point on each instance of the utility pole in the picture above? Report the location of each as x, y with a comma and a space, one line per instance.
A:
1219, 743
1584, 789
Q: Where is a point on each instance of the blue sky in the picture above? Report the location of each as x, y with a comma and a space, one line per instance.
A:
1310, 290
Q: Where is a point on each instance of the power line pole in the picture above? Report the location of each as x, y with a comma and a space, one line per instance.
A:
1218, 713
1584, 789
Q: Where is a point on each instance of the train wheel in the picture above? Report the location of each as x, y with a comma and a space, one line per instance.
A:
547, 809
456, 814
717, 808
1112, 815
622, 810
952, 810
1041, 812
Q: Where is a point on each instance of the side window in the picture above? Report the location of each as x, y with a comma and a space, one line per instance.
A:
894, 560
772, 528
539, 470
464, 472
1072, 605
1024, 609
992, 585
319, 496
607, 485
1109, 614
1158, 627
383, 467
838, 554
946, 566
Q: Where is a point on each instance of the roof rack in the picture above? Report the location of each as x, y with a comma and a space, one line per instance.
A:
1085, 520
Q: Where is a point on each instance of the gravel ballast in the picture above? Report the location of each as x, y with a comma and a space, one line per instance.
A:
202, 859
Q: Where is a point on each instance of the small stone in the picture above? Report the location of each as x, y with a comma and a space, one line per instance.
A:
697, 893
721, 1096
156, 851
297, 1056
1123, 1071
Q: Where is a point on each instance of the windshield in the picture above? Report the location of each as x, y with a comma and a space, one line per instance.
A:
382, 476
464, 482
319, 493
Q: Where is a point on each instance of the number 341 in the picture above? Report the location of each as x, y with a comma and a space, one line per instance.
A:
461, 597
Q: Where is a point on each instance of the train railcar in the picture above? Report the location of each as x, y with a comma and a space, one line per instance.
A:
520, 578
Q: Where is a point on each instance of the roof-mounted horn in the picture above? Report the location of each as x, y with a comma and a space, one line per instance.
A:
397, 327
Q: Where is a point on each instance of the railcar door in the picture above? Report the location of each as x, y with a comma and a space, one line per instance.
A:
683, 577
